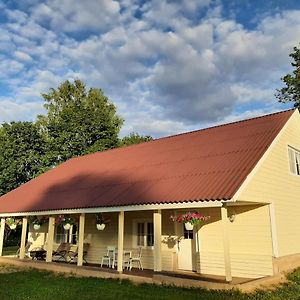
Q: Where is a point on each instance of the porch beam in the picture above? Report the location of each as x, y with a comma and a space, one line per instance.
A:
226, 244
50, 238
157, 240
23, 237
80, 240
2, 230
120, 241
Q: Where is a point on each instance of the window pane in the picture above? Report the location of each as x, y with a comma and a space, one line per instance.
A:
66, 236
140, 234
297, 163
74, 235
188, 234
294, 161
60, 236
150, 234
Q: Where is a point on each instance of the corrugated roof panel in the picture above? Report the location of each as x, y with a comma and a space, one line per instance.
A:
208, 164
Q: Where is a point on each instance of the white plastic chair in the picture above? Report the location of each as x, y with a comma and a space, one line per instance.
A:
109, 258
137, 259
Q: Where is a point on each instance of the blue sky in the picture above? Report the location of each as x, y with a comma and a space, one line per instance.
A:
169, 66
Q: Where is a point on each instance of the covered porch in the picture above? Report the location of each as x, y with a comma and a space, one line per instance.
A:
167, 247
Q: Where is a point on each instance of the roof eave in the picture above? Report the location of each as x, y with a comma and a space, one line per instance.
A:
162, 206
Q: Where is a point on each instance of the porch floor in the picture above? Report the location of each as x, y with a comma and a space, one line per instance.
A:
183, 279
182, 274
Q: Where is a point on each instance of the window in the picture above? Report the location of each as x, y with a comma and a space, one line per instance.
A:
144, 232
294, 160
150, 234
188, 234
66, 236
140, 234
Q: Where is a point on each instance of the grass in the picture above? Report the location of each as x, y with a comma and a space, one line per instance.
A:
10, 250
16, 283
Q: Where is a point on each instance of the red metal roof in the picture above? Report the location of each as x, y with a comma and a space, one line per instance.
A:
208, 164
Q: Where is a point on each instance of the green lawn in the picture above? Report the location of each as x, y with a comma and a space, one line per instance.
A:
33, 284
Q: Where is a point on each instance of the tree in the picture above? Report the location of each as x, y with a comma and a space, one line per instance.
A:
291, 91
78, 121
22, 155
134, 138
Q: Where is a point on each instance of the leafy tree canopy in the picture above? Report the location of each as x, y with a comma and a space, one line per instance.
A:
22, 155
291, 91
134, 138
79, 121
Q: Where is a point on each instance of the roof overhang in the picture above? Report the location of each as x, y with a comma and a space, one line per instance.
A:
164, 206
244, 203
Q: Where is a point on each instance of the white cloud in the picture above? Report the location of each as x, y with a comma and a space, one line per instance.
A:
23, 56
71, 16
246, 93
41, 84
11, 67
12, 110
166, 71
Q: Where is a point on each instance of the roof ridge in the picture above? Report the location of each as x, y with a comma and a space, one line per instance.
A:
224, 124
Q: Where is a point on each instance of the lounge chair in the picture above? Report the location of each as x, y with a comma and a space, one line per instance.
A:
72, 256
61, 252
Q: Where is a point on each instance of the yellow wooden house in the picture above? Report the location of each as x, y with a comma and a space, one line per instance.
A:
244, 175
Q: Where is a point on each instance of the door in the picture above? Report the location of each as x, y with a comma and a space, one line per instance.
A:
186, 249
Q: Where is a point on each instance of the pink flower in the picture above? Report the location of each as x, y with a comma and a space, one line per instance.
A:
192, 217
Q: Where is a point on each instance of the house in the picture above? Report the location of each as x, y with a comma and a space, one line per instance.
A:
244, 175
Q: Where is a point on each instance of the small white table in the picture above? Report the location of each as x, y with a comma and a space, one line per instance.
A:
126, 254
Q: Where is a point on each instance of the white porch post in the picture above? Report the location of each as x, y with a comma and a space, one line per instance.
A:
157, 240
50, 239
2, 229
23, 238
227, 259
80, 239
120, 241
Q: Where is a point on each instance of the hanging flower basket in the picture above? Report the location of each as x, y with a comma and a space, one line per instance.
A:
67, 226
13, 226
36, 226
65, 221
190, 219
37, 221
101, 221
11, 222
100, 226
188, 226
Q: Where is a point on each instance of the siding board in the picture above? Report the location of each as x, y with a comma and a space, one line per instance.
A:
275, 183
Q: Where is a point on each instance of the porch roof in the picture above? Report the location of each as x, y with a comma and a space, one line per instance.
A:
204, 165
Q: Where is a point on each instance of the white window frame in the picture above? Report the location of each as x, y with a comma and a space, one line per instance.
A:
135, 233
294, 160
66, 236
